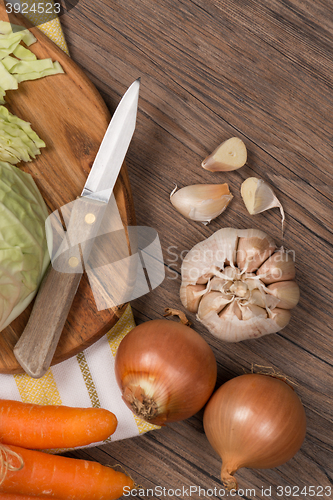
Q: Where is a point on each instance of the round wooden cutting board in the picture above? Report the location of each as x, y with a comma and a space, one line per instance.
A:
69, 114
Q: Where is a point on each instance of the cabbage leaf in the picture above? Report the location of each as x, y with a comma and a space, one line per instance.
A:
17, 62
23, 244
18, 142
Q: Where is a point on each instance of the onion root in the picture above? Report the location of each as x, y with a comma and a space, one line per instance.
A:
142, 405
228, 480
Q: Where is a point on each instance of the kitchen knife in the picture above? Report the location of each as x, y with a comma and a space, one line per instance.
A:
35, 348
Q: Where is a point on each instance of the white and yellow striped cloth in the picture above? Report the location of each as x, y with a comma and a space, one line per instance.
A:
87, 379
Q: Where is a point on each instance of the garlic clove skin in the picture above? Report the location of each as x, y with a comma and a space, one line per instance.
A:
193, 296
263, 299
287, 292
230, 272
212, 302
231, 311
218, 284
281, 317
258, 196
250, 311
252, 281
208, 256
253, 249
226, 275
279, 267
239, 289
257, 298
208, 275
201, 202
229, 326
228, 156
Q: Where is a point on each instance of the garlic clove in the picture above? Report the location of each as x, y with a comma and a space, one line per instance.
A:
250, 311
230, 155
252, 281
223, 279
208, 275
281, 317
258, 196
227, 273
279, 267
229, 326
253, 249
224, 244
287, 292
218, 284
231, 311
212, 303
201, 202
264, 300
193, 297
209, 256
257, 298
240, 289
231, 272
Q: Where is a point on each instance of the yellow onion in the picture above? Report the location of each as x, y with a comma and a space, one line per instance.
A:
166, 371
254, 421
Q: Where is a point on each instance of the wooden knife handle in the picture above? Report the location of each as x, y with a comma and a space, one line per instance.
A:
35, 349
36, 346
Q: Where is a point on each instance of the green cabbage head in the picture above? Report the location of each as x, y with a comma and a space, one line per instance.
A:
23, 245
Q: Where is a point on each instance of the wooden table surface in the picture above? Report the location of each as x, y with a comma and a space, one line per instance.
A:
212, 69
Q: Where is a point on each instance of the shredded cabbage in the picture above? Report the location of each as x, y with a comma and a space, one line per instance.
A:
23, 244
17, 63
18, 142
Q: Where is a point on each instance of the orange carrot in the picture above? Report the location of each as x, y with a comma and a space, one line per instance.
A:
47, 426
63, 478
10, 496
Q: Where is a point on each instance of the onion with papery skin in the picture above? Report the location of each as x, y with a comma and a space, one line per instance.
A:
254, 421
166, 371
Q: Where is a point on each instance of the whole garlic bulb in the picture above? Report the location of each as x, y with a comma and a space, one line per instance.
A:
239, 284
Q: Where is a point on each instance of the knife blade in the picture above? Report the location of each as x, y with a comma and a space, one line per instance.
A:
35, 348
